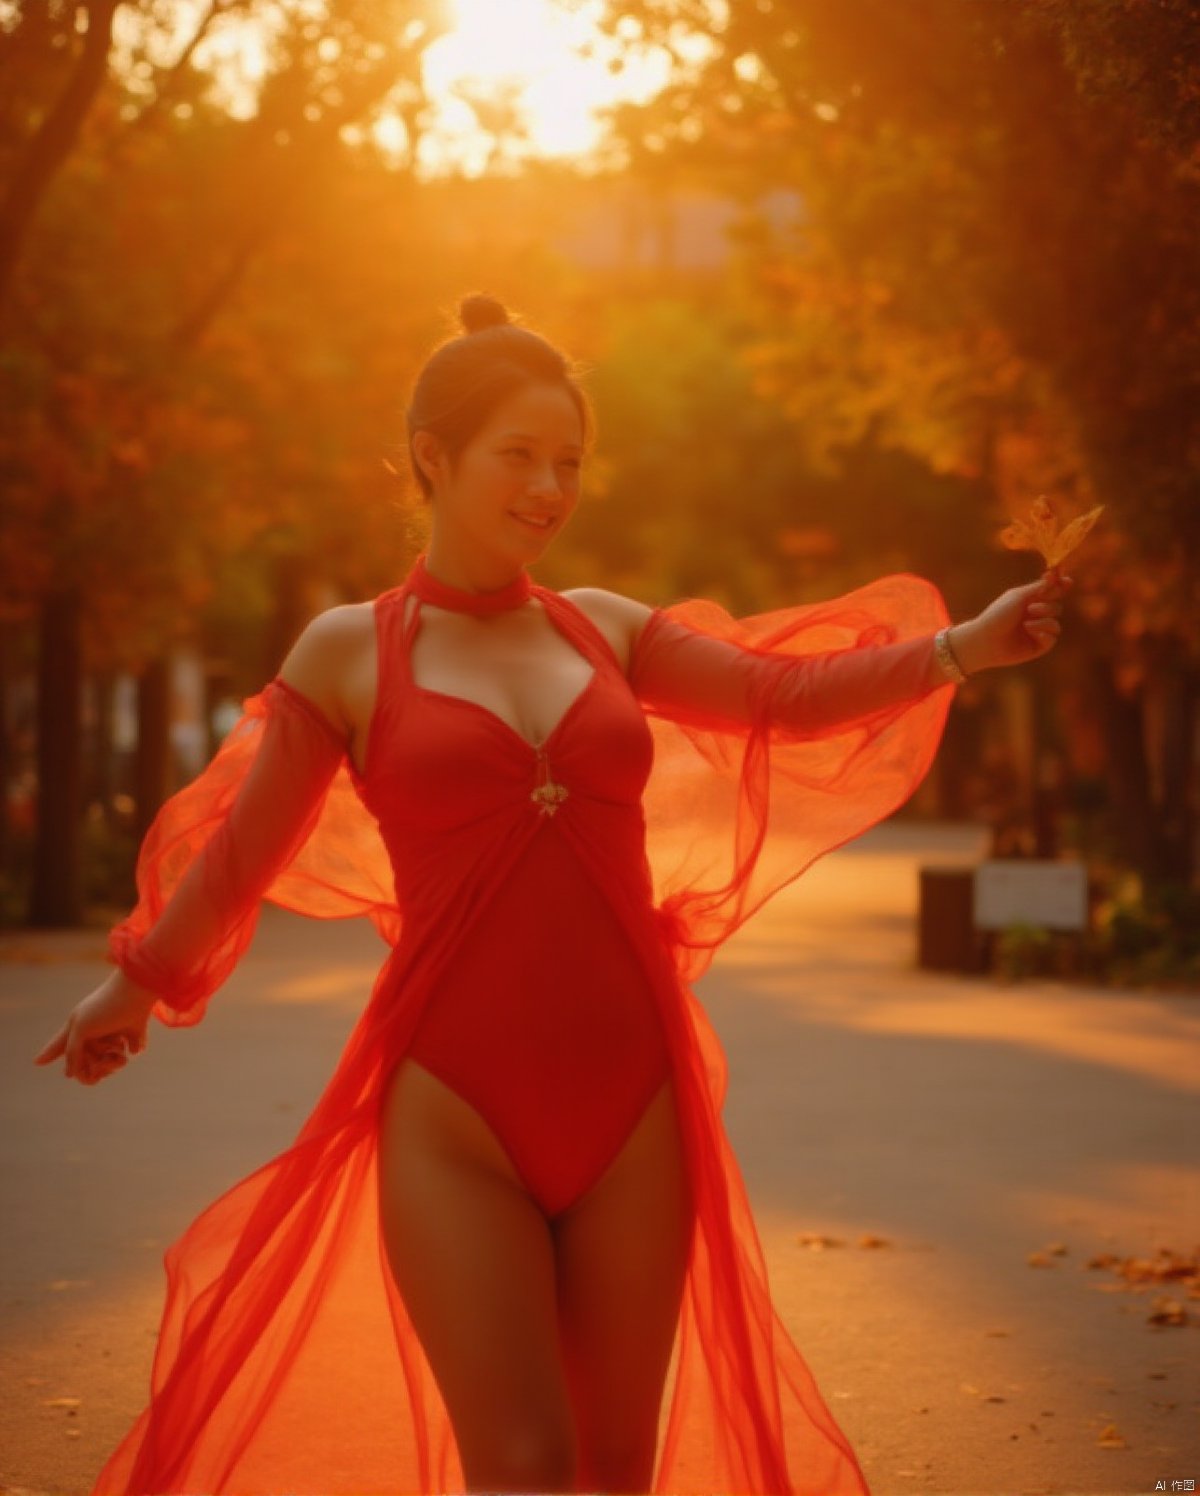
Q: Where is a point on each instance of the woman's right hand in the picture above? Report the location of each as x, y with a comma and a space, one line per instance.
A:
102, 1030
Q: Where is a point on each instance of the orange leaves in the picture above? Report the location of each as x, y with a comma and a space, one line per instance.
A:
1165, 1266
816, 1242
1040, 530
1044, 1258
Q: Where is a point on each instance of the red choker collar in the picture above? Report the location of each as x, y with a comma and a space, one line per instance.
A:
441, 594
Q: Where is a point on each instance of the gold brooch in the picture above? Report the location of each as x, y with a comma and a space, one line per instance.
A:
548, 795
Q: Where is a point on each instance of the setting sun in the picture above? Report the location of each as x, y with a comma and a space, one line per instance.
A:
507, 81
534, 72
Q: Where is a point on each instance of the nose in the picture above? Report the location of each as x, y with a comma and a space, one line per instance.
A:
543, 484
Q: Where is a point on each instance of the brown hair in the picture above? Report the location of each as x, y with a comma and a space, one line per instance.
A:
467, 376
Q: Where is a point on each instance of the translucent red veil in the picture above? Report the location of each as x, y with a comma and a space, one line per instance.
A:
286, 1361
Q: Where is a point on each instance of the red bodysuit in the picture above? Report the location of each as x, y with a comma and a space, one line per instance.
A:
545, 976
546, 909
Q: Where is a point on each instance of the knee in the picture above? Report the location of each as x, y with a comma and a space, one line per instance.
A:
523, 1457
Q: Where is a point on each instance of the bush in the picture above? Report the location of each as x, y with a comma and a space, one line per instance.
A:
1023, 950
1150, 934
107, 860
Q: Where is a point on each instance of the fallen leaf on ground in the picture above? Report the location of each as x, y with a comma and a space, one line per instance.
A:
1138, 1273
1167, 1312
817, 1242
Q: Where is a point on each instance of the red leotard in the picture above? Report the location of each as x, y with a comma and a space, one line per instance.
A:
544, 1018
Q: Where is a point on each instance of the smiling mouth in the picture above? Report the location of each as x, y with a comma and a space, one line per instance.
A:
540, 525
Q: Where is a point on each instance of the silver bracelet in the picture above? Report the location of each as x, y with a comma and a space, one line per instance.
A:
945, 656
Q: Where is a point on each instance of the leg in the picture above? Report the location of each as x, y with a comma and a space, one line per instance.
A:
473, 1261
622, 1256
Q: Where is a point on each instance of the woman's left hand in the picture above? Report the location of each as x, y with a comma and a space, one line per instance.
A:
1021, 624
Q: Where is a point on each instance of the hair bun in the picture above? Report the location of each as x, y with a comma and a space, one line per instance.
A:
479, 311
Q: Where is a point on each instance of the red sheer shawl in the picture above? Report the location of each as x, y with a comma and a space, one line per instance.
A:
276, 816
778, 737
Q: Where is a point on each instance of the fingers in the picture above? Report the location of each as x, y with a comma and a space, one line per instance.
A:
99, 1059
1053, 583
100, 1064
53, 1049
1042, 619
1042, 611
1043, 633
1041, 614
89, 1060
82, 1051
75, 1055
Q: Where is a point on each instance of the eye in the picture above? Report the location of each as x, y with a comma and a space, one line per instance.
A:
572, 462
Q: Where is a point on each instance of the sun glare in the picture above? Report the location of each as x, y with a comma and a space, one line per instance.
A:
547, 61
510, 79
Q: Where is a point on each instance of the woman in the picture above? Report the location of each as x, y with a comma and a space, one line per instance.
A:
514, 1204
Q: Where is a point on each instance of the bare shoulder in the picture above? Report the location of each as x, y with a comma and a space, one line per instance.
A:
326, 657
620, 619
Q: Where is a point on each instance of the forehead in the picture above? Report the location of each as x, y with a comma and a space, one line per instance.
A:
544, 411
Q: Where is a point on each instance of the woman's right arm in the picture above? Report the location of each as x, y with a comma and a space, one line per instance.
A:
216, 846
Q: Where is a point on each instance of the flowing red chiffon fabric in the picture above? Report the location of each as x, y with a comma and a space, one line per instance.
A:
286, 1361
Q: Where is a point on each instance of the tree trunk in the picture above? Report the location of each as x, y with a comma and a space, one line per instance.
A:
1179, 685
1136, 817
152, 757
292, 610
56, 892
100, 785
51, 143
6, 753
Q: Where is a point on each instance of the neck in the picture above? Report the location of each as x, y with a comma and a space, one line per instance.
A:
442, 592
480, 577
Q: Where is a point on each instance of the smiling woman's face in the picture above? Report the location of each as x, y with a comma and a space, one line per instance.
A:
522, 465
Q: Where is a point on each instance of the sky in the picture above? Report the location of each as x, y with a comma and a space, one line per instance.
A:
548, 56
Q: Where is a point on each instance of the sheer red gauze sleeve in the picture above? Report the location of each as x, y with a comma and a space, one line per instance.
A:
274, 815
779, 737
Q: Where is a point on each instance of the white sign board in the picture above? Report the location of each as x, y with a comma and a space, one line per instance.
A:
1018, 890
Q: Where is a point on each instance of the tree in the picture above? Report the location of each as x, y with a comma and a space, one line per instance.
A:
99, 380
1001, 241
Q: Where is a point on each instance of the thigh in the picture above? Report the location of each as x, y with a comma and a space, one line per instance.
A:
473, 1260
622, 1257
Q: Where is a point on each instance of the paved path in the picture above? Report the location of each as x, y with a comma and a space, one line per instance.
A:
963, 1123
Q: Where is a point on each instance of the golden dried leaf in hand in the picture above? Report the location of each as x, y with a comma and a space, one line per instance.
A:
1039, 530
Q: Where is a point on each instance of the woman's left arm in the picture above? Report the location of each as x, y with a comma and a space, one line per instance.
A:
686, 671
